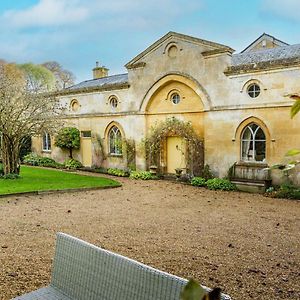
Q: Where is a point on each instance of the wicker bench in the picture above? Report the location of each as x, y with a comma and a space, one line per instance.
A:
84, 271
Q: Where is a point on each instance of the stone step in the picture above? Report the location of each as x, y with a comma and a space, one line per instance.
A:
250, 186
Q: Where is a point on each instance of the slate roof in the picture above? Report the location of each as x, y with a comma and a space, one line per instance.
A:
114, 80
267, 55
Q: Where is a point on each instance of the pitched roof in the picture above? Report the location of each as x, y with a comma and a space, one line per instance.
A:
265, 59
104, 82
271, 54
261, 38
179, 36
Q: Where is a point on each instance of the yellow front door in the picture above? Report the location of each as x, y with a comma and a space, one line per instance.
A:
86, 151
176, 153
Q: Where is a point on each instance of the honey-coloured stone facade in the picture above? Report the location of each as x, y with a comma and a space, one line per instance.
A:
212, 83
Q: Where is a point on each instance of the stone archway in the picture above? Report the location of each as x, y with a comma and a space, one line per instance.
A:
182, 79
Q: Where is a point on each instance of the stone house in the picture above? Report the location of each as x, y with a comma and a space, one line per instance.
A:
237, 103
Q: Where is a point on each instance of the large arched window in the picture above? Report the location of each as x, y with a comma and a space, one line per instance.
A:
115, 141
253, 143
46, 142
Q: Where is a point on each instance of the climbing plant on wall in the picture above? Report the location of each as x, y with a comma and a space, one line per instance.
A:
155, 144
99, 152
130, 150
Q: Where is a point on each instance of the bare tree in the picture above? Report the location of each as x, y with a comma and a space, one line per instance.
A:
64, 78
27, 108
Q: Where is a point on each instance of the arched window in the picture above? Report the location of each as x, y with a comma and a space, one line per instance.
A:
253, 143
113, 102
115, 141
46, 142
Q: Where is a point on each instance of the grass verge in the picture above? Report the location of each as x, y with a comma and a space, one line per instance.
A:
39, 179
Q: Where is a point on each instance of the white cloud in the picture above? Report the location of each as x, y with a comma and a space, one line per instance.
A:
46, 13
287, 8
75, 32
49, 13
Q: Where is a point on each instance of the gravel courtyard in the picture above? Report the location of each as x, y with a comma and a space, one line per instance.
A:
244, 243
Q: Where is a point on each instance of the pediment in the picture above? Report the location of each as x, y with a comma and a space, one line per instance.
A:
170, 38
264, 41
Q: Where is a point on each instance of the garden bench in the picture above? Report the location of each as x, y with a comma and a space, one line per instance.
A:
84, 271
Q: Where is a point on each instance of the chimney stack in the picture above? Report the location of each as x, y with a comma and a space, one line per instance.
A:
99, 72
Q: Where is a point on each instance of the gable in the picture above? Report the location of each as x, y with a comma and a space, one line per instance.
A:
169, 40
265, 41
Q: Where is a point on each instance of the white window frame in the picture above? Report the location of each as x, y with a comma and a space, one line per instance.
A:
46, 142
253, 141
115, 137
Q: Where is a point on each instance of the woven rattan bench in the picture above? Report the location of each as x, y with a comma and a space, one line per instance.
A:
83, 271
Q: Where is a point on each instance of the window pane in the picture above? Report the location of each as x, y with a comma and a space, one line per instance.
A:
49, 141
253, 90
247, 135
260, 150
87, 133
115, 141
46, 142
253, 126
260, 135
247, 150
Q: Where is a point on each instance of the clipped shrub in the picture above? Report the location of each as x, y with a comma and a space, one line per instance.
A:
31, 159
72, 164
101, 170
47, 162
143, 175
198, 181
118, 172
68, 138
1, 170
220, 184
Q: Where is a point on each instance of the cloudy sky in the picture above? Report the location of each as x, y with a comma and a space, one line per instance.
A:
76, 33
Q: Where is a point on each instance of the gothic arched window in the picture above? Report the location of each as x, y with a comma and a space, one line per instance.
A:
253, 143
115, 141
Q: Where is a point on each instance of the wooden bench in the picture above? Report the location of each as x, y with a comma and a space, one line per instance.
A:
84, 271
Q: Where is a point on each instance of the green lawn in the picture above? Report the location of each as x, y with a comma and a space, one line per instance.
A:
39, 179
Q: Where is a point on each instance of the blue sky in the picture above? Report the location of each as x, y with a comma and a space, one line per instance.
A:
76, 33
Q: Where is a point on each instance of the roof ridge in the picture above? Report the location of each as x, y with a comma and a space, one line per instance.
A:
260, 37
266, 50
94, 79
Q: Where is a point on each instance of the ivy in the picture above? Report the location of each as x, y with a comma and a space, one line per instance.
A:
155, 144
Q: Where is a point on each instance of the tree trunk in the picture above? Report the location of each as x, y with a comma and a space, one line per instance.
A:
10, 155
71, 153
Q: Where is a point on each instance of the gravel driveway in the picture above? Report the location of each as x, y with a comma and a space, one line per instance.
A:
246, 244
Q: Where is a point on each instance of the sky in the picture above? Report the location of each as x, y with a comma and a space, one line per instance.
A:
77, 33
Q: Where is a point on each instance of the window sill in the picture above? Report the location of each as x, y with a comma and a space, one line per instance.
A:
115, 155
46, 151
257, 164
